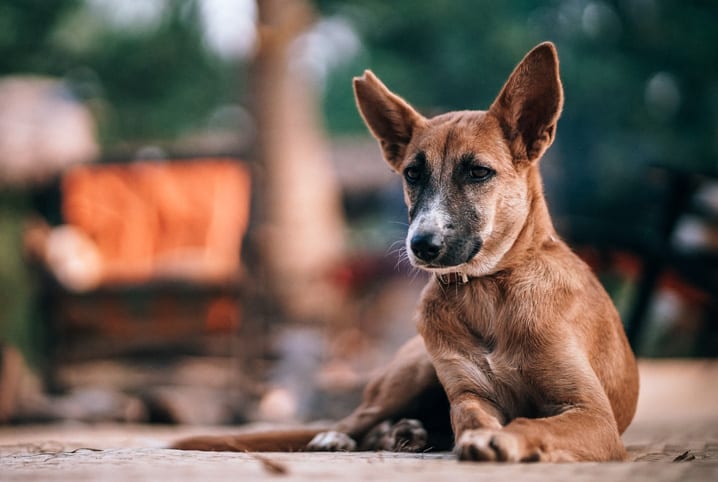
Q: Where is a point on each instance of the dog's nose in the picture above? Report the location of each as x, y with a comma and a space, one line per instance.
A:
425, 246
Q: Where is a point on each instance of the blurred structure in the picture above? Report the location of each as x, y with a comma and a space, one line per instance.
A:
150, 220
43, 130
146, 266
299, 205
662, 273
138, 226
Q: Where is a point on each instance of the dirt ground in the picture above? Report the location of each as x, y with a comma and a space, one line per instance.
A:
673, 438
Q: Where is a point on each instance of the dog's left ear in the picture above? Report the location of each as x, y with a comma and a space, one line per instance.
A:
529, 104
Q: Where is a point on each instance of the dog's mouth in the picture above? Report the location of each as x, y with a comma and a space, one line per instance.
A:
447, 258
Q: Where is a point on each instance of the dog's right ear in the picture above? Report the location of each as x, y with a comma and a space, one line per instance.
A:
389, 117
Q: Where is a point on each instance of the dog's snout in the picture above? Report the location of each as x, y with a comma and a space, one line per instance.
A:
426, 246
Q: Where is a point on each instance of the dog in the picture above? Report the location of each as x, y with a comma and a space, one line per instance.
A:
521, 355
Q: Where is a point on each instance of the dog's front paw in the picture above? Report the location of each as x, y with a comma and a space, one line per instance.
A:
494, 446
332, 441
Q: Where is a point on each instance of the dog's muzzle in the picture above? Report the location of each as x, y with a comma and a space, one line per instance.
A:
431, 250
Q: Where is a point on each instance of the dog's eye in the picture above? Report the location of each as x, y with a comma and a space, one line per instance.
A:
480, 173
412, 174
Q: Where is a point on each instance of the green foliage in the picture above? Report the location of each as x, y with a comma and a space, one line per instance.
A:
25, 34
640, 77
15, 281
159, 83
143, 83
439, 55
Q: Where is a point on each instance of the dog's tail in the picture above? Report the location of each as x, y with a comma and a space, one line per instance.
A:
269, 441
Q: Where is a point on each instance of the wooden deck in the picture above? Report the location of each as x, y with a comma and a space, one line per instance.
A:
673, 438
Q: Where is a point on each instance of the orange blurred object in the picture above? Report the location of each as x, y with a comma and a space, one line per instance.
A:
161, 220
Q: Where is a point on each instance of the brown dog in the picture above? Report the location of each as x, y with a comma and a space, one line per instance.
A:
525, 342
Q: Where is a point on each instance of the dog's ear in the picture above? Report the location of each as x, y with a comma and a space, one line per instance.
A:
529, 105
389, 117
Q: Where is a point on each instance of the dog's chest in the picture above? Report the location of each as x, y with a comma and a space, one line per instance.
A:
498, 372
466, 333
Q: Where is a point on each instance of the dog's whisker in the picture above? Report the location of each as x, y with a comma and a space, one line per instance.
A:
397, 265
396, 247
399, 252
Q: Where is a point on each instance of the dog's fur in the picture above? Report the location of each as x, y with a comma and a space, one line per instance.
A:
525, 342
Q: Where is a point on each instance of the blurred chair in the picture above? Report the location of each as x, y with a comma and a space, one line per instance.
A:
147, 260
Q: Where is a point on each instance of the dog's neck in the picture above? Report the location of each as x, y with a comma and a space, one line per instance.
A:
538, 227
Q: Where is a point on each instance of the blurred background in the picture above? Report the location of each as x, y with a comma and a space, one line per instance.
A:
195, 226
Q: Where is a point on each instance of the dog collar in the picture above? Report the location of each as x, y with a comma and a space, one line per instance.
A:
456, 277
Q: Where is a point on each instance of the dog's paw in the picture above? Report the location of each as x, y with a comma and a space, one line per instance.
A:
374, 439
494, 446
332, 441
407, 435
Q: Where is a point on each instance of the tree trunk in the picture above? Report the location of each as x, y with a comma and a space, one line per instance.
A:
301, 230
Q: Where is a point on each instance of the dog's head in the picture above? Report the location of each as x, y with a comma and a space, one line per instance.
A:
465, 173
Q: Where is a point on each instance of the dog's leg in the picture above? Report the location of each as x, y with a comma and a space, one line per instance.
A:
579, 426
580, 434
388, 396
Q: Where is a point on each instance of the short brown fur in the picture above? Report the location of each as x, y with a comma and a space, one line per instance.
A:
525, 342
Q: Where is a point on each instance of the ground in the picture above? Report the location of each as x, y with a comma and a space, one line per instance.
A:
674, 437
